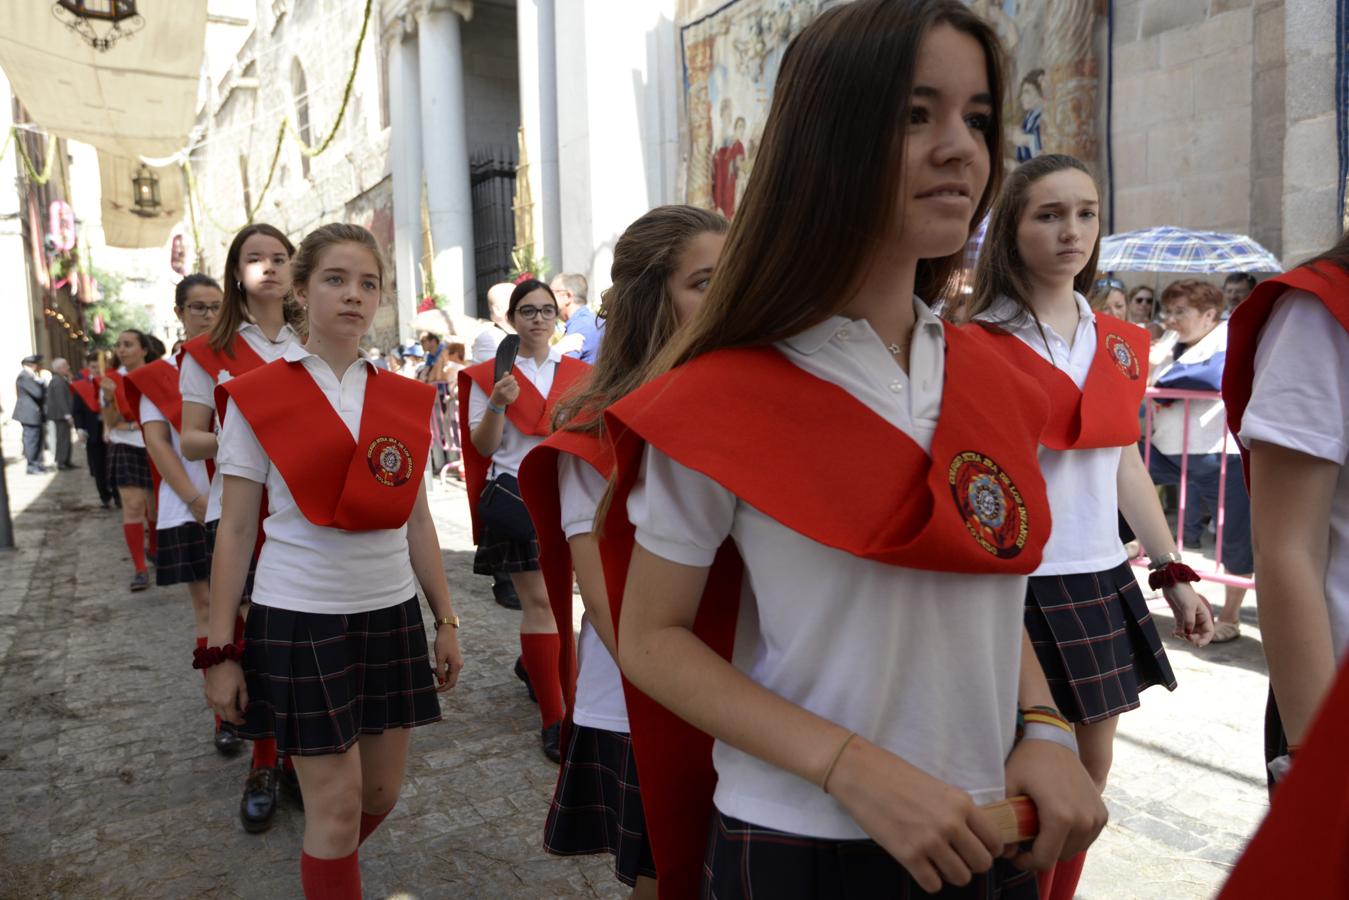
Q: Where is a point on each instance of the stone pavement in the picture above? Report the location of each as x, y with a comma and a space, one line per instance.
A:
112, 787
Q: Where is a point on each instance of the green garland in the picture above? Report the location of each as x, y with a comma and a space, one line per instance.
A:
38, 178
194, 194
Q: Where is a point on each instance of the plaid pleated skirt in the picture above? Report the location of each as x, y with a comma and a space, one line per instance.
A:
745, 860
182, 557
1096, 642
597, 805
498, 554
128, 466
317, 681
210, 530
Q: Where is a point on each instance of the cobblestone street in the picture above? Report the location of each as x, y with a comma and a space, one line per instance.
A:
112, 787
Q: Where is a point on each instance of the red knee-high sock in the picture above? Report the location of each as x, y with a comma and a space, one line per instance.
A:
135, 542
201, 645
540, 652
264, 753
330, 879
1045, 881
369, 822
1066, 875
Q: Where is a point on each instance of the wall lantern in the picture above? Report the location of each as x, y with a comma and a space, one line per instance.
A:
145, 192
80, 15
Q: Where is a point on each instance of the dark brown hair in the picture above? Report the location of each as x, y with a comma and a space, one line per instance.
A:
1198, 295
184, 287
1000, 271
524, 289
234, 308
825, 184
638, 311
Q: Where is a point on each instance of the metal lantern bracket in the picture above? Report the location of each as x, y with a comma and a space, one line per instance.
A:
79, 16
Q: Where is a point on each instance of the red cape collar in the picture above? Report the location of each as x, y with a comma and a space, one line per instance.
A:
363, 485
1104, 412
158, 381
531, 414
236, 359
128, 412
1327, 282
976, 504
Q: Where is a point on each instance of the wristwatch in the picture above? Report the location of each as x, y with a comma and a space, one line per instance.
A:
452, 621
1164, 560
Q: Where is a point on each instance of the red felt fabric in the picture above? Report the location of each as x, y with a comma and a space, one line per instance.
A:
1328, 283
158, 381
236, 359
912, 509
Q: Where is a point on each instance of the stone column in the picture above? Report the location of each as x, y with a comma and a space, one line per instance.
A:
444, 131
536, 33
405, 161
1311, 220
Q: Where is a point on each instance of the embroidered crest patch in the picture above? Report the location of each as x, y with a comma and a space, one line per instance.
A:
390, 461
989, 503
1123, 355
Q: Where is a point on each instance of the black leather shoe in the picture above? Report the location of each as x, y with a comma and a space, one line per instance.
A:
258, 805
140, 581
290, 784
523, 674
227, 743
505, 595
550, 736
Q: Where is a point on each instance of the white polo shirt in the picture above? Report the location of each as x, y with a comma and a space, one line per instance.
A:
1300, 400
130, 437
599, 687
197, 386
1081, 484
514, 445
924, 664
172, 510
307, 567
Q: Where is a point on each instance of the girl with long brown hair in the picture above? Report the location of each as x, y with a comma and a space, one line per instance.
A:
661, 271
824, 636
128, 463
252, 329
334, 664
1085, 614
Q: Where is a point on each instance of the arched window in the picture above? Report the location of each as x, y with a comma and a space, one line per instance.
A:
243, 180
300, 92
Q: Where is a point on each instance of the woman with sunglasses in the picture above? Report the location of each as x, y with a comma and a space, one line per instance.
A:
1142, 310
504, 420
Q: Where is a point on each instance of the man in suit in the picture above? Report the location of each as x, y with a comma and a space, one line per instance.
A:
61, 411
28, 412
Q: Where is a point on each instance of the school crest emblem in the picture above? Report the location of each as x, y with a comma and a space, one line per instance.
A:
390, 461
989, 503
1123, 355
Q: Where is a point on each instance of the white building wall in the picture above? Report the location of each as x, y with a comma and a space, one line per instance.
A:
16, 325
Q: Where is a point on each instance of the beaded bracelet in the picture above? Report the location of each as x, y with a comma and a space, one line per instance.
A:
205, 657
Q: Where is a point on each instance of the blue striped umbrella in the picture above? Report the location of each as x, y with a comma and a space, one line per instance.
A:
1168, 249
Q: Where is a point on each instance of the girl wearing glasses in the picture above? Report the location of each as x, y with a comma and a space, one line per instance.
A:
1085, 614
181, 556
662, 268
252, 329
505, 420
827, 670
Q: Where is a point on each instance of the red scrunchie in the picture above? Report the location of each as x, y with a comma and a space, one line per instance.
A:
1171, 574
205, 657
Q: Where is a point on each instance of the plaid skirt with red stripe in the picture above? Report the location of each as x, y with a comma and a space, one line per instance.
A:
597, 804
128, 466
745, 860
1096, 642
317, 681
501, 554
182, 557
211, 528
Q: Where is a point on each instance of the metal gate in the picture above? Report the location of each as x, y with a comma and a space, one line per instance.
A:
493, 178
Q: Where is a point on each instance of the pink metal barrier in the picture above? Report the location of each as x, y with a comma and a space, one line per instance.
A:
1187, 397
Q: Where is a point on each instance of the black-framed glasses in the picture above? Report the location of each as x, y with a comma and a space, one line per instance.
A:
201, 309
1112, 283
533, 312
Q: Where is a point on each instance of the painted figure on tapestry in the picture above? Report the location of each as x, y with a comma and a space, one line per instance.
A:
1026, 139
727, 160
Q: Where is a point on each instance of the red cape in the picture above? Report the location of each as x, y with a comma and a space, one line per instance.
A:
1327, 282
976, 504
236, 359
1104, 412
363, 485
86, 388
129, 413
531, 413
158, 381
538, 485
1302, 849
